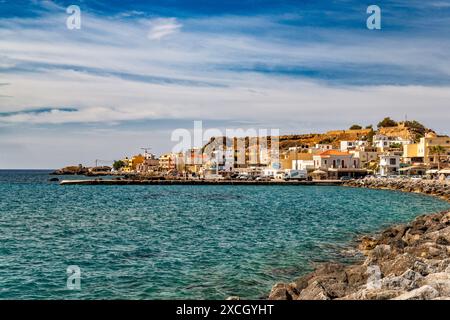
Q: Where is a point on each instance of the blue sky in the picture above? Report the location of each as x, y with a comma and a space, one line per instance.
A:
137, 70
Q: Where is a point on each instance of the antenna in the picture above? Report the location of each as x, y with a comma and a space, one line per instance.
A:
146, 151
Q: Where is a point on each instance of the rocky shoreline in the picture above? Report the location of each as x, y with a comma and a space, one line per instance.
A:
405, 262
435, 188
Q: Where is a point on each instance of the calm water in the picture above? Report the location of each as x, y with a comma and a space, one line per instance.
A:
161, 242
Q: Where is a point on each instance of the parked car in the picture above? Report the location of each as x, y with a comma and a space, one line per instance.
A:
346, 178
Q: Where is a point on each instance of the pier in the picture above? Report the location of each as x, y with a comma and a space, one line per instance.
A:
197, 182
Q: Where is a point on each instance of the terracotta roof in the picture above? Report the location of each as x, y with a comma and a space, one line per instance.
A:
333, 153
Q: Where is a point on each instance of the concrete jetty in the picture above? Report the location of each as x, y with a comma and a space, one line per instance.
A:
196, 182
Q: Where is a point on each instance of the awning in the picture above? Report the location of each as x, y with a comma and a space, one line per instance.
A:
444, 171
432, 171
319, 172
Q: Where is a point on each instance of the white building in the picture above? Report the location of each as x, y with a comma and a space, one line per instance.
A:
383, 142
389, 164
323, 147
303, 164
352, 145
335, 159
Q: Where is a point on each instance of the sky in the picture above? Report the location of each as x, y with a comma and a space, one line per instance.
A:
137, 70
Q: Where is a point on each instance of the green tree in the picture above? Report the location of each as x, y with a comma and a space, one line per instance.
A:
415, 125
396, 145
369, 126
437, 151
118, 164
355, 127
369, 137
387, 122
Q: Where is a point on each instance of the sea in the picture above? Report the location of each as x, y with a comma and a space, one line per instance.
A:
180, 241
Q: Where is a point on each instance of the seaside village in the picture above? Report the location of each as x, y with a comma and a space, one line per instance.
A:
393, 149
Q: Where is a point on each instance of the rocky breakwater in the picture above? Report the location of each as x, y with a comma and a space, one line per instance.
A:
436, 188
405, 262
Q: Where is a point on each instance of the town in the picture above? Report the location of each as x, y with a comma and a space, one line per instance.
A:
394, 149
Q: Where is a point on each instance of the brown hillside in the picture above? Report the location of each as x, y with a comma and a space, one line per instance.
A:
334, 137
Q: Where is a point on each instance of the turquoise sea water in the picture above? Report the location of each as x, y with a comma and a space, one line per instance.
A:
171, 242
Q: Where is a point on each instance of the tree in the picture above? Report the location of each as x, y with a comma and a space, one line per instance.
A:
369, 126
386, 123
369, 137
355, 127
396, 145
118, 164
437, 151
415, 125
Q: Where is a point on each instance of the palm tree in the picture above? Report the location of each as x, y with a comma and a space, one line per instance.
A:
437, 151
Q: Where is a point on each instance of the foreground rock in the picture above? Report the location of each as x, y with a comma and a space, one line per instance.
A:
405, 262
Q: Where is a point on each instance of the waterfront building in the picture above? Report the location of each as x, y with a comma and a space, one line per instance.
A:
193, 161
290, 159
334, 159
130, 164
389, 164
304, 161
422, 152
366, 155
149, 164
167, 162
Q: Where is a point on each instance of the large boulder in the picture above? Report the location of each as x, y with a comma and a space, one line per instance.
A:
283, 291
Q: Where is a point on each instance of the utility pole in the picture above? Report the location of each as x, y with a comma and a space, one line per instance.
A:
103, 161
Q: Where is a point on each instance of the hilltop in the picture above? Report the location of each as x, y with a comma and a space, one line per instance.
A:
411, 130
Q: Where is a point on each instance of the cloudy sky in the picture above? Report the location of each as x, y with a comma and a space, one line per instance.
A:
137, 70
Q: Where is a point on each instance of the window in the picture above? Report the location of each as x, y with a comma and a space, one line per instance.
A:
393, 161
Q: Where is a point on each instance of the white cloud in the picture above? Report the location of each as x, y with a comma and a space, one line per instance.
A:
38, 76
163, 27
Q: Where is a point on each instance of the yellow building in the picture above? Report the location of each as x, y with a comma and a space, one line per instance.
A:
288, 160
167, 161
131, 164
421, 152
